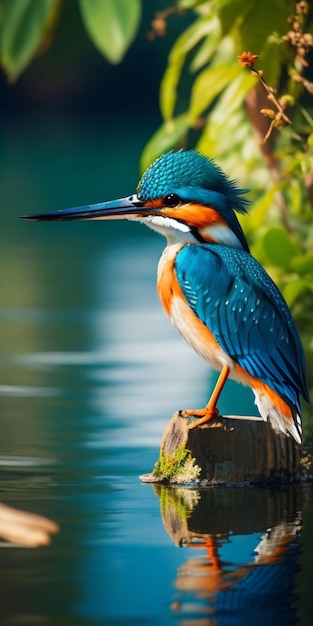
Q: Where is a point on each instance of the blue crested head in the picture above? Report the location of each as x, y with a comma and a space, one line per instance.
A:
194, 177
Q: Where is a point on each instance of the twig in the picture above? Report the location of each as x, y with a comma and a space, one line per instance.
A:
278, 119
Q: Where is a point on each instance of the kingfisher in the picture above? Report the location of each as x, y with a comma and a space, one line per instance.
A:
217, 295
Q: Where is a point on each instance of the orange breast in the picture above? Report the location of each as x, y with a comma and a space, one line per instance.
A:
167, 284
182, 316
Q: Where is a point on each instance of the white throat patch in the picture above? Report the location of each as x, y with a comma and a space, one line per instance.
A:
173, 230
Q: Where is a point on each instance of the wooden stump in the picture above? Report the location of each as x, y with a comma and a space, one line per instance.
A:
229, 450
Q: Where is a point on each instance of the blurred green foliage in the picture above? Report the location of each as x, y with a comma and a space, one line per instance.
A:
209, 101
27, 27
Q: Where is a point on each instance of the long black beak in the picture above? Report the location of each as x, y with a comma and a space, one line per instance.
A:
115, 209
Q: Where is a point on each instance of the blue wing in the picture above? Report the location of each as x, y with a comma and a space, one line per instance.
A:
236, 299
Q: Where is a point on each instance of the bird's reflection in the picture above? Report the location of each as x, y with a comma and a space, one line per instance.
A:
248, 548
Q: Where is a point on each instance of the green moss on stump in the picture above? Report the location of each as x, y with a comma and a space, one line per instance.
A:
181, 467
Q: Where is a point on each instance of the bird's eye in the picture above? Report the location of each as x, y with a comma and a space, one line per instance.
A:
171, 200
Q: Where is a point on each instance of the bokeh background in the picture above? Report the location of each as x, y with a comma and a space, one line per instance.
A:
91, 370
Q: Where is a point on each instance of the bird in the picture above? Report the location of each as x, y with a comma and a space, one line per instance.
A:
216, 294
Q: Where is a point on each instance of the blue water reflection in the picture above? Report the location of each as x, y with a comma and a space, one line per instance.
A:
90, 373
243, 577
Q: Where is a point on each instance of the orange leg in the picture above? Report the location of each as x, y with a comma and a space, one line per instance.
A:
212, 547
210, 411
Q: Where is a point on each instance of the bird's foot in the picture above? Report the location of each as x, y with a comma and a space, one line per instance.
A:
210, 411
202, 415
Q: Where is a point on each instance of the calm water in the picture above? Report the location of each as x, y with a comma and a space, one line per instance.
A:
90, 373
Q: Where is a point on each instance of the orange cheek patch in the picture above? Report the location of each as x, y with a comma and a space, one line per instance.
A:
195, 215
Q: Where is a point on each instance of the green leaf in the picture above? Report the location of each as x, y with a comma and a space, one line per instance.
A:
310, 140
206, 49
258, 27
279, 247
252, 21
228, 119
232, 12
191, 4
303, 264
234, 95
111, 25
190, 38
295, 289
272, 59
261, 20
209, 84
166, 137
24, 26
214, 141
259, 212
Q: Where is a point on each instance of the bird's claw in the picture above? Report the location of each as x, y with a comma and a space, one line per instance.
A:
202, 416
